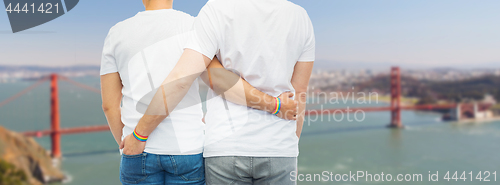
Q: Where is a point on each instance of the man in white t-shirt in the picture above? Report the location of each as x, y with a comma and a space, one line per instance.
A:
271, 44
138, 55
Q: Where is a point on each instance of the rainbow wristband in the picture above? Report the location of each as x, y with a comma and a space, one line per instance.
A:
278, 106
139, 137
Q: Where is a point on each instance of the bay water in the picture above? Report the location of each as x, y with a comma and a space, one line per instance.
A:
329, 144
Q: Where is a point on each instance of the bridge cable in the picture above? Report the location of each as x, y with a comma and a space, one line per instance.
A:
78, 84
19, 94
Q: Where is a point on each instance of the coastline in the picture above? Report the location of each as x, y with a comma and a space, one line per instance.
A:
373, 98
477, 121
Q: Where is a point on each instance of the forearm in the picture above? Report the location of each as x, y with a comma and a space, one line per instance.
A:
111, 87
115, 124
173, 89
302, 99
235, 89
300, 81
165, 100
257, 99
243, 93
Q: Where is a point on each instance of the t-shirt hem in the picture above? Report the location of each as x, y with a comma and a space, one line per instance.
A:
158, 152
202, 52
213, 154
105, 72
306, 60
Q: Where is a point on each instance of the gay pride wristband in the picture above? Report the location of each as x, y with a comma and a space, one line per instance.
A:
139, 137
278, 106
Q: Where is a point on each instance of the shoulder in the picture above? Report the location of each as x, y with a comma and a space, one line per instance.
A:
295, 8
184, 16
220, 4
299, 13
214, 2
122, 25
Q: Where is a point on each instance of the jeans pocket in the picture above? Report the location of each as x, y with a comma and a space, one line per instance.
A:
133, 168
189, 167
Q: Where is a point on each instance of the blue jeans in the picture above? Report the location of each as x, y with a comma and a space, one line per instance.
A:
155, 169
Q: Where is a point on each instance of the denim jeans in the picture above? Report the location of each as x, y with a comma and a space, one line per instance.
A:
250, 170
155, 169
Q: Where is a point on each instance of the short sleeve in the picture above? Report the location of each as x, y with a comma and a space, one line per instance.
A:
204, 38
108, 61
309, 52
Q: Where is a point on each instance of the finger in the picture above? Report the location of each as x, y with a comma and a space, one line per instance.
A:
122, 144
286, 94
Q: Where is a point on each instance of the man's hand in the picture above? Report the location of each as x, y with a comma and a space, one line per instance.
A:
132, 146
288, 108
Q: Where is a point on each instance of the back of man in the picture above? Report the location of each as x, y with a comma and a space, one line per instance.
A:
143, 50
262, 40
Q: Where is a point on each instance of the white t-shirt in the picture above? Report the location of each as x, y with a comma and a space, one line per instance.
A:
262, 40
143, 50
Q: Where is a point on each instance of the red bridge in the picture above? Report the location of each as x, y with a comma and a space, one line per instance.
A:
56, 131
395, 107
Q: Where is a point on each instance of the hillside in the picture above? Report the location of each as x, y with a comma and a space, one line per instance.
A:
431, 91
24, 161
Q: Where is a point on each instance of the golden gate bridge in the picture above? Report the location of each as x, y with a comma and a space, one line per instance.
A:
56, 131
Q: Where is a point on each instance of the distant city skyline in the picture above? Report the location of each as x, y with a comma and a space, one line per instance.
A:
349, 34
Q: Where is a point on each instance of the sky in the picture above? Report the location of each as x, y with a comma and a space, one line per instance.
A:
349, 33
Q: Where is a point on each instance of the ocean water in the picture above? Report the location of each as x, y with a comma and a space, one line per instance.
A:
328, 144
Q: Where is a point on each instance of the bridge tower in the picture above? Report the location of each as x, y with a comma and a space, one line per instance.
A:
54, 117
395, 98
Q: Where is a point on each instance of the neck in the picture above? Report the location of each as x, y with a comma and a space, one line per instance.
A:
158, 4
